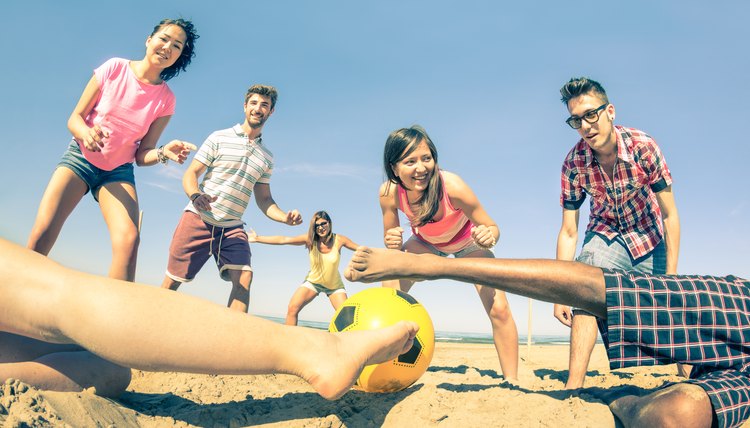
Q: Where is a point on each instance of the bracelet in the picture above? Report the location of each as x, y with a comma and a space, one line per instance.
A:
160, 156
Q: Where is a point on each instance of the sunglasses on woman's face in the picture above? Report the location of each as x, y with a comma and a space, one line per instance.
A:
321, 224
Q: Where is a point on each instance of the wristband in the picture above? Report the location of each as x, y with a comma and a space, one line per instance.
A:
160, 156
195, 196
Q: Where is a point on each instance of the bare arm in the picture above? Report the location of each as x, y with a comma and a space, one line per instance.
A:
392, 230
92, 138
267, 205
346, 242
278, 239
175, 150
486, 233
190, 186
671, 219
567, 240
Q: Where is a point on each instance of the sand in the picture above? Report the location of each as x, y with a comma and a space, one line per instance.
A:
462, 388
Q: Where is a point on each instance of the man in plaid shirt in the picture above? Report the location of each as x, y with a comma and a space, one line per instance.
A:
633, 223
703, 321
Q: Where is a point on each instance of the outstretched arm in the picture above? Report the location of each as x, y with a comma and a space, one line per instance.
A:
173, 330
277, 239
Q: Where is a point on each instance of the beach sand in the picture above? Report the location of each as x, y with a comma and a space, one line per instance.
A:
462, 388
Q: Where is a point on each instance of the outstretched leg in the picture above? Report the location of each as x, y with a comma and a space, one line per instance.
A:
547, 280
172, 331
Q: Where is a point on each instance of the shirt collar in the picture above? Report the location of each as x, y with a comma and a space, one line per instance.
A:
241, 133
622, 147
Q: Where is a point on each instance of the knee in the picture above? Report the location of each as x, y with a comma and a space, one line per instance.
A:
500, 311
126, 239
293, 309
683, 405
114, 381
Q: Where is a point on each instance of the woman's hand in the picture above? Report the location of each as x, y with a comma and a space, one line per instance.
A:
394, 238
93, 140
178, 151
483, 236
251, 235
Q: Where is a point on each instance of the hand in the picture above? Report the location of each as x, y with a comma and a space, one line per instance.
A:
293, 218
94, 139
483, 236
178, 151
251, 235
203, 202
563, 314
394, 238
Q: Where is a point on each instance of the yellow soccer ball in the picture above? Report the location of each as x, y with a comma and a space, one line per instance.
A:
380, 307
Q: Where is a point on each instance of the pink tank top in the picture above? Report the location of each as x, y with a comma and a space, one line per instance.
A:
449, 234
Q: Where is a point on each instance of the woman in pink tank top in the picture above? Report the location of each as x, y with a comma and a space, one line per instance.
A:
446, 219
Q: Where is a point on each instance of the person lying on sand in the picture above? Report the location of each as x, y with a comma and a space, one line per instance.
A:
65, 330
651, 319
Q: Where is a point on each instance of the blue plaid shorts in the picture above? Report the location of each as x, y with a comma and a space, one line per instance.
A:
703, 321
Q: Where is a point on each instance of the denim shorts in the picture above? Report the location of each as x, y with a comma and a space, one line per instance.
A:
94, 177
613, 254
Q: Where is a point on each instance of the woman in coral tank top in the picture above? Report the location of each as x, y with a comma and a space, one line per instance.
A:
446, 219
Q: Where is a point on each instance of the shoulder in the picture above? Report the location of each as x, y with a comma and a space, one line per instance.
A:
576, 155
635, 138
453, 183
111, 68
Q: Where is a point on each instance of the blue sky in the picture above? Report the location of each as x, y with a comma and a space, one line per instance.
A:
481, 77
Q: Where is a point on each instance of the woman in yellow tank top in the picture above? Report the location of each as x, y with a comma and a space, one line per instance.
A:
324, 248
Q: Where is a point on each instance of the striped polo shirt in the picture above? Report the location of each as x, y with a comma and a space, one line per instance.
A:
234, 164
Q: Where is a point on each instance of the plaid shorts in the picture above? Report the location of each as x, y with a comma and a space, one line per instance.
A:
703, 321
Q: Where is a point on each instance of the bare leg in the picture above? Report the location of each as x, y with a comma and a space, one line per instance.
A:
170, 284
119, 205
504, 331
337, 299
63, 193
679, 405
301, 297
172, 330
239, 297
555, 281
583, 331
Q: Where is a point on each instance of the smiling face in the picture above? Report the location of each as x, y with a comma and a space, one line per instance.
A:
165, 46
600, 135
257, 110
415, 169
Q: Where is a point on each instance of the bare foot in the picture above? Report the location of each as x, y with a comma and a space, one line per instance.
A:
343, 359
380, 264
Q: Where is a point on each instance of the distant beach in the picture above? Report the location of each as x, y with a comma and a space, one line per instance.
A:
459, 337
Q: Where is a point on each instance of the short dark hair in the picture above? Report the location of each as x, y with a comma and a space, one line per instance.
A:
188, 49
578, 86
265, 90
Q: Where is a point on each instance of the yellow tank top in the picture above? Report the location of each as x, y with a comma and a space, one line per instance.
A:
327, 273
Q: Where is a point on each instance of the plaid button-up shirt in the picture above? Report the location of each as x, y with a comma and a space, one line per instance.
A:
627, 204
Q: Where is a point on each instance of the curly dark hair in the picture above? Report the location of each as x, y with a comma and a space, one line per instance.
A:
188, 48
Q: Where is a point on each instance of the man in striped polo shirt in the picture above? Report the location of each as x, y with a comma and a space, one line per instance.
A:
235, 164
633, 223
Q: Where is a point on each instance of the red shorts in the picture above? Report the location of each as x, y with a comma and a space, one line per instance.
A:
194, 241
